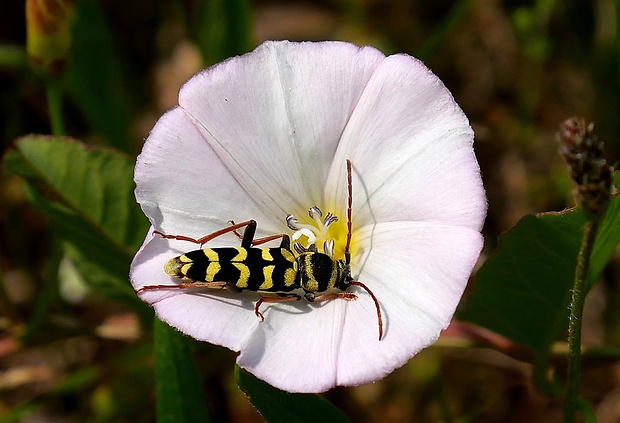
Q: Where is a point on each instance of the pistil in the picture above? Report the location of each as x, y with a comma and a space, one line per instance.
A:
307, 236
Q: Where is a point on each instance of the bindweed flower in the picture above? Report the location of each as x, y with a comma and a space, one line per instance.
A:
266, 136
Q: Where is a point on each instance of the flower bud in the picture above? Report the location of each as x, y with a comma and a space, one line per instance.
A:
591, 174
48, 25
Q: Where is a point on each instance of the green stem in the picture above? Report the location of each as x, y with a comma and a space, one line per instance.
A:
54, 102
574, 326
12, 57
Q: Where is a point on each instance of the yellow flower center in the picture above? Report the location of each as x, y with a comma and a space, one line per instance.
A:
319, 233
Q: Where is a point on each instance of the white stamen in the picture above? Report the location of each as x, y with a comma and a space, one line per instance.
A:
291, 222
329, 219
315, 213
328, 247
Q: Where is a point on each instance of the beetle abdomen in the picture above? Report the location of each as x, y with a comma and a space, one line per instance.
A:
255, 269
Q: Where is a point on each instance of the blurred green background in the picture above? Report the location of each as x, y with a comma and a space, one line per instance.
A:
517, 68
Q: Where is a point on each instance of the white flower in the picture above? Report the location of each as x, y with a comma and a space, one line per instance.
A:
267, 134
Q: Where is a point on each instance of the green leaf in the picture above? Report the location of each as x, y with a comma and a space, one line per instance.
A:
88, 192
279, 406
222, 29
523, 290
96, 80
180, 397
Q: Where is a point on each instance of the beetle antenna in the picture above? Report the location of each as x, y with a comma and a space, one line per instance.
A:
347, 253
379, 318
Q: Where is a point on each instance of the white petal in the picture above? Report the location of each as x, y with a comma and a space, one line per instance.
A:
411, 149
418, 272
275, 116
184, 188
296, 348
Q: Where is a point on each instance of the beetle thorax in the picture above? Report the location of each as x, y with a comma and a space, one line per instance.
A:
318, 272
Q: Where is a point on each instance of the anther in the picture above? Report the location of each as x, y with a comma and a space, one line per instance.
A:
315, 213
291, 222
329, 219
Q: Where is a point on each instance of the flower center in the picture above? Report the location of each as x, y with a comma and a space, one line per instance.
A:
321, 234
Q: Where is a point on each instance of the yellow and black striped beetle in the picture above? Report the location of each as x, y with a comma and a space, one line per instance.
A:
266, 270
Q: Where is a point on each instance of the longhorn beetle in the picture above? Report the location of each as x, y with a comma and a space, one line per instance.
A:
266, 270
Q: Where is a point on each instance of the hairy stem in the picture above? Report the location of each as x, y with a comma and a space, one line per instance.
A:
574, 326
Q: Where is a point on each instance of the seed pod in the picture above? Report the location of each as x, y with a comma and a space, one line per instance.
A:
591, 174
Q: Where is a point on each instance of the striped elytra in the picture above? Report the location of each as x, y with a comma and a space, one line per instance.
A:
254, 269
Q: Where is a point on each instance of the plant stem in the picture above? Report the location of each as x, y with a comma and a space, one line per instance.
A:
575, 320
54, 103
